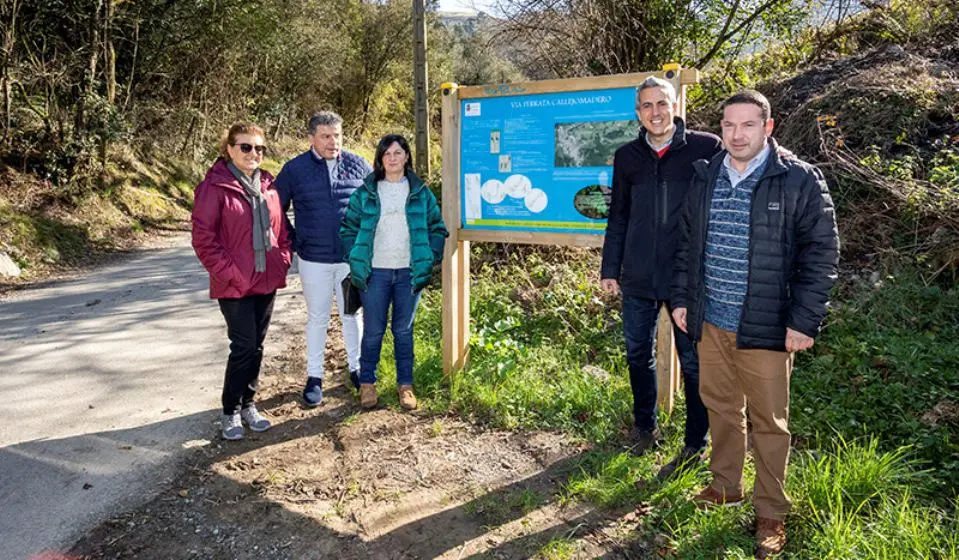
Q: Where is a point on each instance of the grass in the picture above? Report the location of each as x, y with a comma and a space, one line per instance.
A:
855, 501
887, 365
495, 509
874, 472
557, 549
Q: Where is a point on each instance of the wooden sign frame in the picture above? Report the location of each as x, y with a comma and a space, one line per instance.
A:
456, 261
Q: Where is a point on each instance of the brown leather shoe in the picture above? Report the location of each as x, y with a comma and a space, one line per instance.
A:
710, 497
770, 537
407, 398
367, 395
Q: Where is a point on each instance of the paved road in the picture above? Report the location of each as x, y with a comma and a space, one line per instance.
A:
104, 382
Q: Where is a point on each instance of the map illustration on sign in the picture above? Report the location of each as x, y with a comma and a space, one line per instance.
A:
591, 144
542, 162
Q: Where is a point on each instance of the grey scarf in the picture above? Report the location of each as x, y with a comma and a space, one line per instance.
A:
262, 231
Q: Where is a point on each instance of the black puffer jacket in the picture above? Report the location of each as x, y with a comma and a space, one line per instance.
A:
793, 251
648, 194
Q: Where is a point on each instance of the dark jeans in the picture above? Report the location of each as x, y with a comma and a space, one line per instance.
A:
640, 316
247, 320
388, 286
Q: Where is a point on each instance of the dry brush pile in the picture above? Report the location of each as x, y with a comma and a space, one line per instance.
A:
883, 126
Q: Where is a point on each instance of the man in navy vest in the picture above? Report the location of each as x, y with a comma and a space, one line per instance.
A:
650, 179
319, 183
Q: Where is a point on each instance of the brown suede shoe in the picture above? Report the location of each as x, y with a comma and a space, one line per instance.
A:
367, 395
710, 497
407, 398
770, 537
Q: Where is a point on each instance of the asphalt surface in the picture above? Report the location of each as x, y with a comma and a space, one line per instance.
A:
105, 382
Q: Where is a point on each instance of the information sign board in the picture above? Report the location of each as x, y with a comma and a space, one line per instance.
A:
542, 162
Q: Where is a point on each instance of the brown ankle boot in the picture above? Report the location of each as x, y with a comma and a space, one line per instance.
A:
770, 537
407, 398
367, 395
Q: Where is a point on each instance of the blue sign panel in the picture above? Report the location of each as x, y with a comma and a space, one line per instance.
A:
542, 162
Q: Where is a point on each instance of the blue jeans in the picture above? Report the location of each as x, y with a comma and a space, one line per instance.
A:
386, 286
640, 316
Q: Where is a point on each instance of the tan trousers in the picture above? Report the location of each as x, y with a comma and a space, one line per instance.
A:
732, 382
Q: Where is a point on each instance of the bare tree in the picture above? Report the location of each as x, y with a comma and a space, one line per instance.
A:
559, 38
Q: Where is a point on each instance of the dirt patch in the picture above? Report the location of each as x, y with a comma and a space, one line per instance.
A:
337, 482
945, 412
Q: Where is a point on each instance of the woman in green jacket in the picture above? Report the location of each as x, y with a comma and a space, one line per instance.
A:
393, 235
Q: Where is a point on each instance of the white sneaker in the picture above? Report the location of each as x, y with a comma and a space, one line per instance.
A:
231, 427
254, 419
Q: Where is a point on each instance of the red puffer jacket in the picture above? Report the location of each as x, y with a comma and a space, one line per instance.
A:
223, 236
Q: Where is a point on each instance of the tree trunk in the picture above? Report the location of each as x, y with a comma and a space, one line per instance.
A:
133, 65
11, 9
80, 121
109, 54
110, 77
7, 105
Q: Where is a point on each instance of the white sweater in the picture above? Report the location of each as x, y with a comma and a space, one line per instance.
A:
391, 242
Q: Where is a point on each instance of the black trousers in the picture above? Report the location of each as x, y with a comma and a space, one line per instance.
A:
247, 320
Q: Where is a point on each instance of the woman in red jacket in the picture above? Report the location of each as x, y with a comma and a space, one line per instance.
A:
240, 236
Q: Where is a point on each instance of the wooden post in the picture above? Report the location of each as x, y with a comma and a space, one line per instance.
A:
667, 362
419, 81
456, 256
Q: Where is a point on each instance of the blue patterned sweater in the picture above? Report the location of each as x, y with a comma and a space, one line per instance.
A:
727, 245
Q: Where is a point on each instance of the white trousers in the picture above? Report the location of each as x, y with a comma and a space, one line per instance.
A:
321, 281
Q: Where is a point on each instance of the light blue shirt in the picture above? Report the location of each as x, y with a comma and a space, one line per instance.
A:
756, 163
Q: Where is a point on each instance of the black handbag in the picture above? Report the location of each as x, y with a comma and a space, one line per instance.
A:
351, 296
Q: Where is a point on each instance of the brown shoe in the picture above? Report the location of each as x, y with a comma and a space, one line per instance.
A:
407, 398
770, 537
367, 395
710, 497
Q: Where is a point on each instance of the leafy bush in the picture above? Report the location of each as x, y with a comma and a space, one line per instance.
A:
886, 364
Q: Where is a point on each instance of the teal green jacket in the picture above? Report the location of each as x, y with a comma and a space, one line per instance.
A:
427, 232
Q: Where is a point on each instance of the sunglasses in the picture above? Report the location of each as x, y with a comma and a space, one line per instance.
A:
247, 148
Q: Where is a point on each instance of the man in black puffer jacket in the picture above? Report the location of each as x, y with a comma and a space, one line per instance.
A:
757, 259
650, 177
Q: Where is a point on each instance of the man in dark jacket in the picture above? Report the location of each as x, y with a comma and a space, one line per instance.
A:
757, 259
650, 178
319, 183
